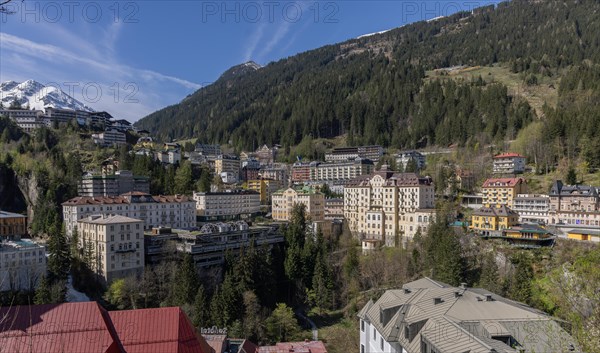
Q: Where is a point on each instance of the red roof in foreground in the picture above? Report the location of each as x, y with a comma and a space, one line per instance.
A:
502, 182
295, 347
87, 327
60, 328
509, 155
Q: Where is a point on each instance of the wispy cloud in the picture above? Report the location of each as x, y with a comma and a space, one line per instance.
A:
253, 42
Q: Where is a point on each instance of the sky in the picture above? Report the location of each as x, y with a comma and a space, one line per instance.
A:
131, 58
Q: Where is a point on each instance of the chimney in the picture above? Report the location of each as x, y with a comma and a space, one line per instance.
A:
488, 298
463, 285
457, 294
437, 301
406, 290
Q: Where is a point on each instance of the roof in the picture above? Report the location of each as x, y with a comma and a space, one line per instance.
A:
60, 328
432, 311
128, 198
391, 179
296, 347
4, 214
159, 330
503, 182
585, 232
508, 155
498, 211
112, 219
559, 189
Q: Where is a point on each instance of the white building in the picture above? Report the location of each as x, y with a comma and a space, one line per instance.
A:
123, 181
341, 154
386, 205
28, 120
109, 137
22, 264
116, 245
175, 211
426, 316
509, 163
233, 203
532, 208
170, 156
405, 157
283, 202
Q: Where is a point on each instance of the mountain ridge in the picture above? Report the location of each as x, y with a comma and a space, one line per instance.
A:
34, 95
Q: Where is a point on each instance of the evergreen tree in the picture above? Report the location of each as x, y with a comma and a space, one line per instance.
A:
204, 181
444, 253
520, 288
282, 325
322, 283
42, 292
183, 179
187, 282
490, 278
571, 177
59, 258
201, 309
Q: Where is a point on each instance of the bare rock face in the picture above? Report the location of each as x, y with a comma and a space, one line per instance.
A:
29, 189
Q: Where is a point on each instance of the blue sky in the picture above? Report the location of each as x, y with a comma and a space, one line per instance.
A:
132, 58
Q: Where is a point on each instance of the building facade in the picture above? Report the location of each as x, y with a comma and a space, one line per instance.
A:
334, 208
532, 208
283, 202
109, 137
502, 191
13, 226
265, 187
208, 150
228, 164
234, 203
405, 157
177, 211
28, 120
488, 220
427, 316
509, 163
22, 264
385, 205
116, 245
342, 154
575, 205
123, 181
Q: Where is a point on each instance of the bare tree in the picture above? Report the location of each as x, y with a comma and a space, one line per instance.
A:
4, 9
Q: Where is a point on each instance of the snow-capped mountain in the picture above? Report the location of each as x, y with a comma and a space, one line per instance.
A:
35, 95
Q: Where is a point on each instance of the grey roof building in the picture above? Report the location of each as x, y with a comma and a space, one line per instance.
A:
428, 316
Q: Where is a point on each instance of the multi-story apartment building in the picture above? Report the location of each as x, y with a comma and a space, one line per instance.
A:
577, 205
123, 181
228, 164
334, 208
385, 205
13, 226
265, 187
170, 155
109, 137
340, 171
509, 163
283, 202
502, 191
341, 154
532, 208
405, 157
232, 203
266, 155
427, 316
28, 120
66, 115
208, 150
490, 220
177, 211
249, 173
276, 172
22, 264
301, 172
115, 243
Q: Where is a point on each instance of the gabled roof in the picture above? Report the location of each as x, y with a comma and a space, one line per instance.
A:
503, 182
461, 320
60, 328
498, 211
508, 155
295, 347
159, 330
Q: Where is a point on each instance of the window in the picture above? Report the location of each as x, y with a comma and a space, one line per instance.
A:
374, 334
362, 326
112, 237
381, 343
362, 348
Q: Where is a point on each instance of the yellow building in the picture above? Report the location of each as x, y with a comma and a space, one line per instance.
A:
12, 225
283, 202
502, 191
584, 235
265, 187
489, 219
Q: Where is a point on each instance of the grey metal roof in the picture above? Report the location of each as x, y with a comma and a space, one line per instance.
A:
456, 320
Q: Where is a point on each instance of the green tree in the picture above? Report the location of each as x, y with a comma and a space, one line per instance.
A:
201, 308
187, 282
183, 179
42, 292
571, 177
204, 182
443, 252
59, 258
490, 278
520, 288
282, 326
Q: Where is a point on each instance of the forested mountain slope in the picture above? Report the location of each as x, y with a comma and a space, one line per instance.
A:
373, 88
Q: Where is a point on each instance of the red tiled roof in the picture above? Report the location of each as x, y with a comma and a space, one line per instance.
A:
508, 155
124, 199
295, 347
60, 328
503, 182
162, 330
248, 347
